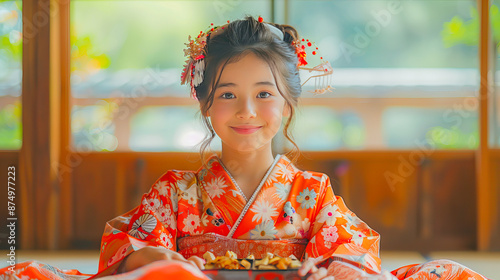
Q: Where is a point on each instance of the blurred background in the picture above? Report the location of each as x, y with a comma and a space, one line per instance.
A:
92, 112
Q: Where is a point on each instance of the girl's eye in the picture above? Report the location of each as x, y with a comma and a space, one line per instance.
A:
264, 94
227, 95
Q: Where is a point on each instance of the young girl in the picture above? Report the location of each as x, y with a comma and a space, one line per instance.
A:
245, 76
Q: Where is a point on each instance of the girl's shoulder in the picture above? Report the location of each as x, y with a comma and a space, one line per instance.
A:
313, 180
312, 176
307, 175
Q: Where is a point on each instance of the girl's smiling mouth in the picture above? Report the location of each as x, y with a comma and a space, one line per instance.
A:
245, 129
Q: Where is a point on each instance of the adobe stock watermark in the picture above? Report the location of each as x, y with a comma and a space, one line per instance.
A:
453, 116
94, 139
12, 217
373, 28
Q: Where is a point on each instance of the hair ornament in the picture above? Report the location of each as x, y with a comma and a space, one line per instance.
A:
195, 51
199, 69
322, 77
275, 31
300, 50
321, 73
194, 68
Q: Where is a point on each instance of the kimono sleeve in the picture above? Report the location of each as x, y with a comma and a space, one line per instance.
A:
153, 223
339, 235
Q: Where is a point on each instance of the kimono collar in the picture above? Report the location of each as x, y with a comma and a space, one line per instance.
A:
215, 168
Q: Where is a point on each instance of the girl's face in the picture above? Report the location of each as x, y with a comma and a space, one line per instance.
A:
247, 108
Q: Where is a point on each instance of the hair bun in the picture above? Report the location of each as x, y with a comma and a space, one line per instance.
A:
290, 32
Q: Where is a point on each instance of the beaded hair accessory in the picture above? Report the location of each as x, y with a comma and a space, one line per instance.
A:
195, 52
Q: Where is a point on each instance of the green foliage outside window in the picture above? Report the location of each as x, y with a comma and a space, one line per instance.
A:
459, 31
10, 81
10, 127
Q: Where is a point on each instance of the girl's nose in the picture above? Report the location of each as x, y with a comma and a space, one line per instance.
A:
246, 109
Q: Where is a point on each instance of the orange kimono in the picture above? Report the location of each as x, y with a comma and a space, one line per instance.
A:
292, 212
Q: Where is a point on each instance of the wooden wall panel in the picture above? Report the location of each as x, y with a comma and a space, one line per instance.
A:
383, 193
94, 182
453, 198
495, 181
430, 206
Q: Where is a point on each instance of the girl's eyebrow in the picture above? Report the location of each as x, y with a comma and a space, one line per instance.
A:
226, 85
263, 83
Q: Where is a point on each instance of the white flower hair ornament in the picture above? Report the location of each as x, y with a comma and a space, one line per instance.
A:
195, 51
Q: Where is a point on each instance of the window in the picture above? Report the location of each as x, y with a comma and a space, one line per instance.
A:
404, 72
10, 74
401, 72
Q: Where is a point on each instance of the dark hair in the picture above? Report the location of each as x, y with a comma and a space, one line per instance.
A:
233, 42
